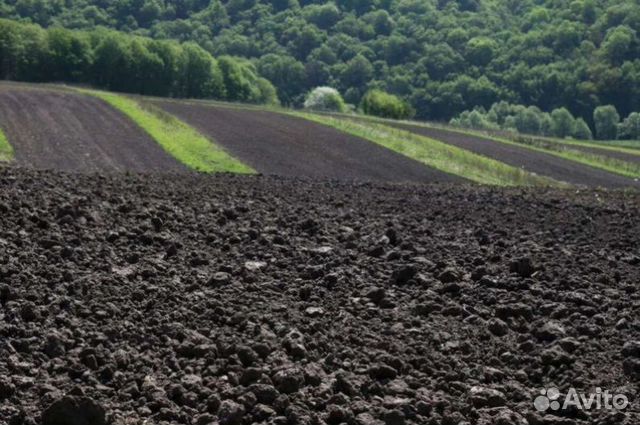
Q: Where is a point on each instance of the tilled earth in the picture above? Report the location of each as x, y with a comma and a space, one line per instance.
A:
54, 128
541, 163
238, 300
279, 144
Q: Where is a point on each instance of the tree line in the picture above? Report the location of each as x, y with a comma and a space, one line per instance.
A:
441, 56
558, 123
127, 63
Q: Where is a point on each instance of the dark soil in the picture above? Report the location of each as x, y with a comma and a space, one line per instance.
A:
258, 300
527, 159
278, 144
56, 129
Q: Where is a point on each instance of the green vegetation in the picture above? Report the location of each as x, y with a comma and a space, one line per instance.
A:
6, 151
526, 120
441, 156
127, 63
442, 56
628, 146
560, 123
602, 161
325, 99
630, 127
177, 138
382, 104
625, 146
606, 120
564, 150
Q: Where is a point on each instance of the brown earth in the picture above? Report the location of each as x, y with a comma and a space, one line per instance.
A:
237, 300
57, 129
278, 144
537, 162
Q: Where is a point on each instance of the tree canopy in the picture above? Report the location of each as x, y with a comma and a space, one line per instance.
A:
127, 63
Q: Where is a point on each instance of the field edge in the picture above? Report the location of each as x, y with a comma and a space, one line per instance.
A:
564, 147
6, 150
176, 137
436, 154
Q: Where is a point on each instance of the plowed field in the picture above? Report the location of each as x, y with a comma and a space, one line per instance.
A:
279, 144
61, 130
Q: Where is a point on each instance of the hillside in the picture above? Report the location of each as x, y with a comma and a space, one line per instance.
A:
58, 127
443, 56
62, 130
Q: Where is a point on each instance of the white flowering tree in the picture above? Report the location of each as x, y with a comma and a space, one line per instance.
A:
325, 99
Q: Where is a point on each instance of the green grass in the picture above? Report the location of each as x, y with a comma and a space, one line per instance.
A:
176, 137
438, 155
625, 146
556, 147
562, 150
546, 144
6, 151
566, 149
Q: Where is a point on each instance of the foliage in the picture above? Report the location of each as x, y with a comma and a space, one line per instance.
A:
563, 124
630, 127
442, 56
526, 120
177, 138
382, 104
286, 73
325, 99
242, 82
606, 119
582, 130
126, 63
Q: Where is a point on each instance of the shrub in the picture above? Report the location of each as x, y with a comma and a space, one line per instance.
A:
563, 123
325, 99
606, 119
382, 104
582, 130
630, 127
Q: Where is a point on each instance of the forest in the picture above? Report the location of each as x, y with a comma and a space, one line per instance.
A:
127, 63
607, 122
442, 57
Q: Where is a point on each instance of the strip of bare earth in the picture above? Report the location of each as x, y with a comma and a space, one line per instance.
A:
176, 137
436, 154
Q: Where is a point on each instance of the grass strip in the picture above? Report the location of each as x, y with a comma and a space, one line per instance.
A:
554, 147
6, 151
559, 148
176, 137
625, 146
438, 155
595, 160
603, 162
